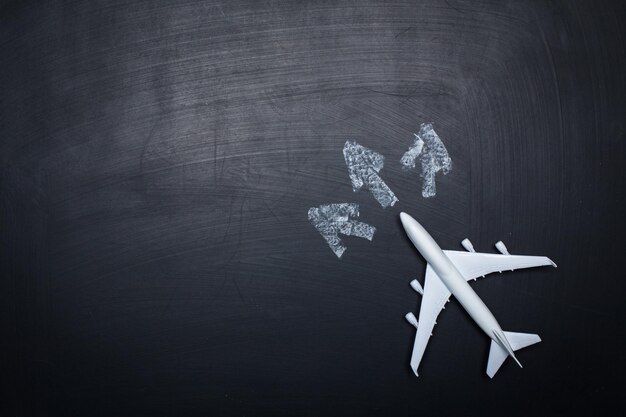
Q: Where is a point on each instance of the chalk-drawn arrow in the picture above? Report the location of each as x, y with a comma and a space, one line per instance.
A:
433, 157
363, 167
332, 219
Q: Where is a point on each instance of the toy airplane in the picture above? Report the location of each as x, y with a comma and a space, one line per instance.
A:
447, 273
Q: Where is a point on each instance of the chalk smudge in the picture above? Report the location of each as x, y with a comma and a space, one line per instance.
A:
363, 167
332, 219
433, 157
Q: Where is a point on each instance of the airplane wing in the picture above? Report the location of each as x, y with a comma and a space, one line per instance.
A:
435, 296
474, 264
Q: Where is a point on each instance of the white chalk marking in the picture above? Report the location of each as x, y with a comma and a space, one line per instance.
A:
363, 167
433, 157
332, 219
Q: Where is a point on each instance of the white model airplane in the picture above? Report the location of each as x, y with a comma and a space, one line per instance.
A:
447, 273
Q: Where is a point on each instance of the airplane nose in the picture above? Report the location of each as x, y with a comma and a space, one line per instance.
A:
411, 227
408, 222
415, 231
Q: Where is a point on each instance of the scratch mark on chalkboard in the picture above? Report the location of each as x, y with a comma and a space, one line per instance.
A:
218, 293
241, 217
388, 94
238, 290
363, 167
271, 211
453, 7
557, 95
433, 157
145, 145
215, 180
404, 31
332, 219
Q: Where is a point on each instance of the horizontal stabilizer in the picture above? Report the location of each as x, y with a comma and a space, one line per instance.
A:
497, 354
521, 340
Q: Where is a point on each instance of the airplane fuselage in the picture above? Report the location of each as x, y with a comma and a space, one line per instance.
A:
451, 277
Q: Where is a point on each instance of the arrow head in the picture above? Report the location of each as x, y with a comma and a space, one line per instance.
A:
332, 219
433, 156
363, 167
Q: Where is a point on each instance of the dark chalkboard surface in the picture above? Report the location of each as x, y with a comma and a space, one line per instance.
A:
158, 160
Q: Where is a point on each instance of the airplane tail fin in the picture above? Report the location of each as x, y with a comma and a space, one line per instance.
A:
509, 343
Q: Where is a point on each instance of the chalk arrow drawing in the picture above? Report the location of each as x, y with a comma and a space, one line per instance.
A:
433, 157
363, 167
332, 219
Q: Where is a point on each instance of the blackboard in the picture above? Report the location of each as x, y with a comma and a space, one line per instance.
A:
158, 160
